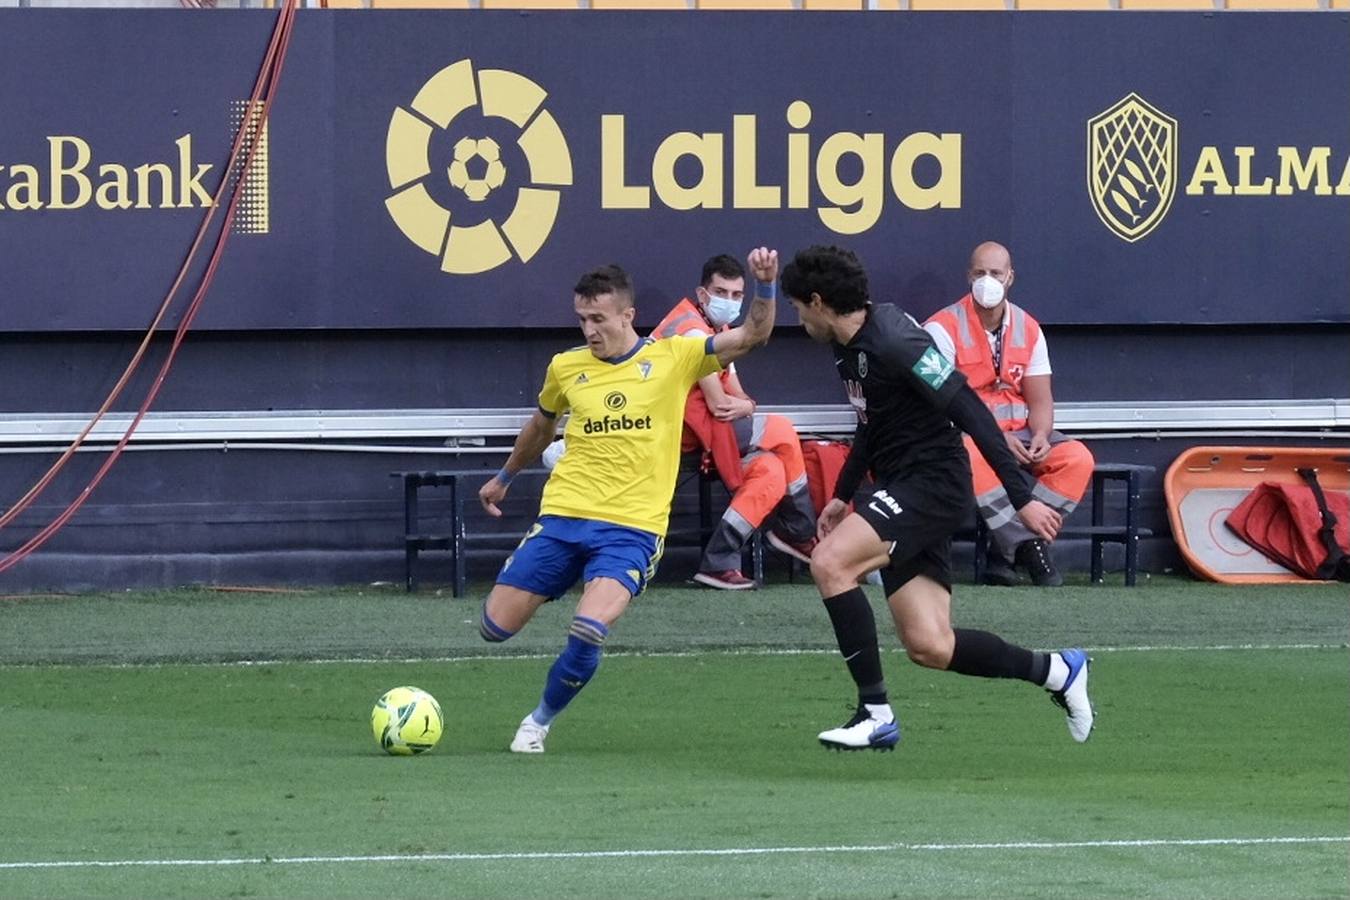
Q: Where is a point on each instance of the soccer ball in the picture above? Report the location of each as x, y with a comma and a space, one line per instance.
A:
406, 721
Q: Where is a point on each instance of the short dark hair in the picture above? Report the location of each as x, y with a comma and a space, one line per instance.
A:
727, 266
833, 273
606, 280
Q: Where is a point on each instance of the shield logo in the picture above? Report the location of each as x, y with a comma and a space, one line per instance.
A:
1131, 166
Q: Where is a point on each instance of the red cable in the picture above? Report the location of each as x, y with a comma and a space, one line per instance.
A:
259, 84
271, 75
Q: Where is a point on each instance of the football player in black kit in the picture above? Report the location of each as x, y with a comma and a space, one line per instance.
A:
912, 404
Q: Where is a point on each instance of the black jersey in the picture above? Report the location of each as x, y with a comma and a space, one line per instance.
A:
900, 385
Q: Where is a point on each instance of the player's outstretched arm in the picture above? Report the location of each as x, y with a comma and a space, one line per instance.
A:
537, 434
734, 343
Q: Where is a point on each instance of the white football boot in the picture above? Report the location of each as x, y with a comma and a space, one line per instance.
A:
1073, 697
529, 736
863, 732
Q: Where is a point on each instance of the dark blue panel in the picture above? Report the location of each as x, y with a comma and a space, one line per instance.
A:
1013, 95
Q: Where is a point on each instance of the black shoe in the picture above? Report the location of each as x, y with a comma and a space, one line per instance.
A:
999, 571
1034, 556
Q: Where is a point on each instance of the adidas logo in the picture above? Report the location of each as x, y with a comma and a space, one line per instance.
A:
582, 379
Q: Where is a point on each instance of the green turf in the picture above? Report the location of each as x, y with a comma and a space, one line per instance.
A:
711, 751
385, 622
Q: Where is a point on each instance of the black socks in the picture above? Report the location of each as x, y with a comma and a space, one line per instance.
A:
855, 630
989, 656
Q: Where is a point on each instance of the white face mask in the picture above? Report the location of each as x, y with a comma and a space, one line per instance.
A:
722, 310
987, 291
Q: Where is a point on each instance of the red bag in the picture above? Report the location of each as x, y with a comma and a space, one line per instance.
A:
824, 461
1298, 526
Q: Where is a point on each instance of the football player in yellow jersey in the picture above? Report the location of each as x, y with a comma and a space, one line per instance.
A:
603, 514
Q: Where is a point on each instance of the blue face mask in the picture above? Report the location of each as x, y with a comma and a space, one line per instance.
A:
722, 310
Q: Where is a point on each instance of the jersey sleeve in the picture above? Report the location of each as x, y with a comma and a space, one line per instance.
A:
695, 357
552, 401
855, 466
918, 361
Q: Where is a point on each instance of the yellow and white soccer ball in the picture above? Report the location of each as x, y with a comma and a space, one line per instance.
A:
406, 721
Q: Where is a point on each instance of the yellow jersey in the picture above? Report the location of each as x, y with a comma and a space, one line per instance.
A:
623, 434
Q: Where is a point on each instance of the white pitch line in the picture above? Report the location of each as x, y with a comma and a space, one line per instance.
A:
640, 854
628, 654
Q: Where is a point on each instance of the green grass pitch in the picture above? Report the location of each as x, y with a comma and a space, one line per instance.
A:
146, 758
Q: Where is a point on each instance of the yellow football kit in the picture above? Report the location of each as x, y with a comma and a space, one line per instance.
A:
623, 434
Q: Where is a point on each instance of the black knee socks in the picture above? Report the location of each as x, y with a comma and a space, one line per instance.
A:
988, 655
855, 630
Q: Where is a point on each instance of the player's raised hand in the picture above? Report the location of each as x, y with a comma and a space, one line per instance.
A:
763, 264
491, 494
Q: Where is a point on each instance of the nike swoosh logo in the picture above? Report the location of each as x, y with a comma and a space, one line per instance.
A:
838, 362
851, 655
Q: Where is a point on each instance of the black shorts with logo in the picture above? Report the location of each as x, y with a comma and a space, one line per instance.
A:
917, 516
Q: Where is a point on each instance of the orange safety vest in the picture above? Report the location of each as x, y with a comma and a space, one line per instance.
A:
701, 428
1001, 391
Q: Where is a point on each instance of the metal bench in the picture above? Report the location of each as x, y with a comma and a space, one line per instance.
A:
1127, 531
456, 538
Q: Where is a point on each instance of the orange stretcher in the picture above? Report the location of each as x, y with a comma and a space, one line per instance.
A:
1203, 486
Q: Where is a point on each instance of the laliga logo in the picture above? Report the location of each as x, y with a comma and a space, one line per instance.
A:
1132, 166
476, 168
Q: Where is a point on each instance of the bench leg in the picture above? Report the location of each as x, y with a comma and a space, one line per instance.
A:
410, 486
757, 557
1131, 556
1098, 518
705, 522
981, 549
457, 541
1131, 523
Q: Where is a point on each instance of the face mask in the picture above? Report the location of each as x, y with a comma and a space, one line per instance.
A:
987, 291
722, 310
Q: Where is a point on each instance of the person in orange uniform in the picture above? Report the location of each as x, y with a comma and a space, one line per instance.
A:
757, 456
1002, 352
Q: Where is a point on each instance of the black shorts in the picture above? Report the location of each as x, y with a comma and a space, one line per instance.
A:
917, 517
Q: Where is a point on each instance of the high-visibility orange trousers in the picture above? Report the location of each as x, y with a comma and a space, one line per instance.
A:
769, 471
773, 480
1061, 480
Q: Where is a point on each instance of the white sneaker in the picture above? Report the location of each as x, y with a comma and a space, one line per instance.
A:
862, 732
529, 737
1073, 697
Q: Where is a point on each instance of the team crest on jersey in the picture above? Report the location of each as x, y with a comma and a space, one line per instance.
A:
862, 364
645, 367
856, 398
